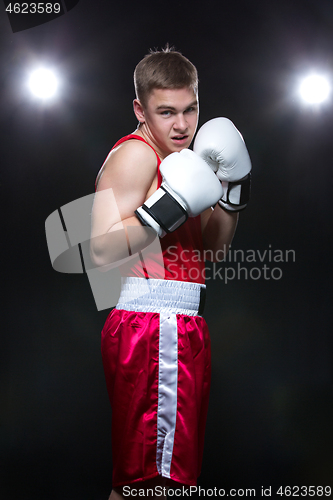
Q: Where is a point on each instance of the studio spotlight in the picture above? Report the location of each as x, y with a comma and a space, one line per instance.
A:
315, 89
43, 83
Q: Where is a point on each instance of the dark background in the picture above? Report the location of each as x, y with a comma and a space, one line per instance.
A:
271, 412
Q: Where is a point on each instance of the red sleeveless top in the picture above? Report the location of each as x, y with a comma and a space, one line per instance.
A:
182, 250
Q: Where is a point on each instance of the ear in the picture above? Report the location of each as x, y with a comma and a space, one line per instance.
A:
139, 111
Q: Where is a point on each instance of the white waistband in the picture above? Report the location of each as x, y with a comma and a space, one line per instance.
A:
152, 295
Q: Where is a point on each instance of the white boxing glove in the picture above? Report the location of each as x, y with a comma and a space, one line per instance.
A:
222, 146
188, 188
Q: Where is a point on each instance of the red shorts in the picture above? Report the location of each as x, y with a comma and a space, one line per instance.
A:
157, 369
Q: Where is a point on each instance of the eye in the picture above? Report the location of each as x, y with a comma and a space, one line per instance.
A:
192, 109
166, 113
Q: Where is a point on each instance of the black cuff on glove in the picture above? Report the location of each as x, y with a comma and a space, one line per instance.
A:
228, 201
166, 211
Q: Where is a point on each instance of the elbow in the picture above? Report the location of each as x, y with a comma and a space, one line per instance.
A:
99, 254
108, 249
96, 256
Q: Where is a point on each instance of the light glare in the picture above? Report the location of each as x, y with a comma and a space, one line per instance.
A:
43, 83
315, 89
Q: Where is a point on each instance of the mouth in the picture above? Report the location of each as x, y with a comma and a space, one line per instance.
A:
179, 139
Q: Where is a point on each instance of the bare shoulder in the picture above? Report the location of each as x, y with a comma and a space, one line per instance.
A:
132, 162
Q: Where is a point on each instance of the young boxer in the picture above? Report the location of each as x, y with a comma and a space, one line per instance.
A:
155, 343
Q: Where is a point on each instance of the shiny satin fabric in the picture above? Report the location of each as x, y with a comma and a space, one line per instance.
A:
157, 370
157, 364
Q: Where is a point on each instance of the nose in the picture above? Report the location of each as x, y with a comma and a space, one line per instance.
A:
180, 123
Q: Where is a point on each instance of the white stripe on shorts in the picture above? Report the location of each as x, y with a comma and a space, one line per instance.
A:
167, 392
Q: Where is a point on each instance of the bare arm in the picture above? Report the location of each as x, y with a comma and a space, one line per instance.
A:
218, 229
127, 179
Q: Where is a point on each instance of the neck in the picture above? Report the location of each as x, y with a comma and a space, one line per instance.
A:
143, 132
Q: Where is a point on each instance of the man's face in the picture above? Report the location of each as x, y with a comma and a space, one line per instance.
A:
171, 118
